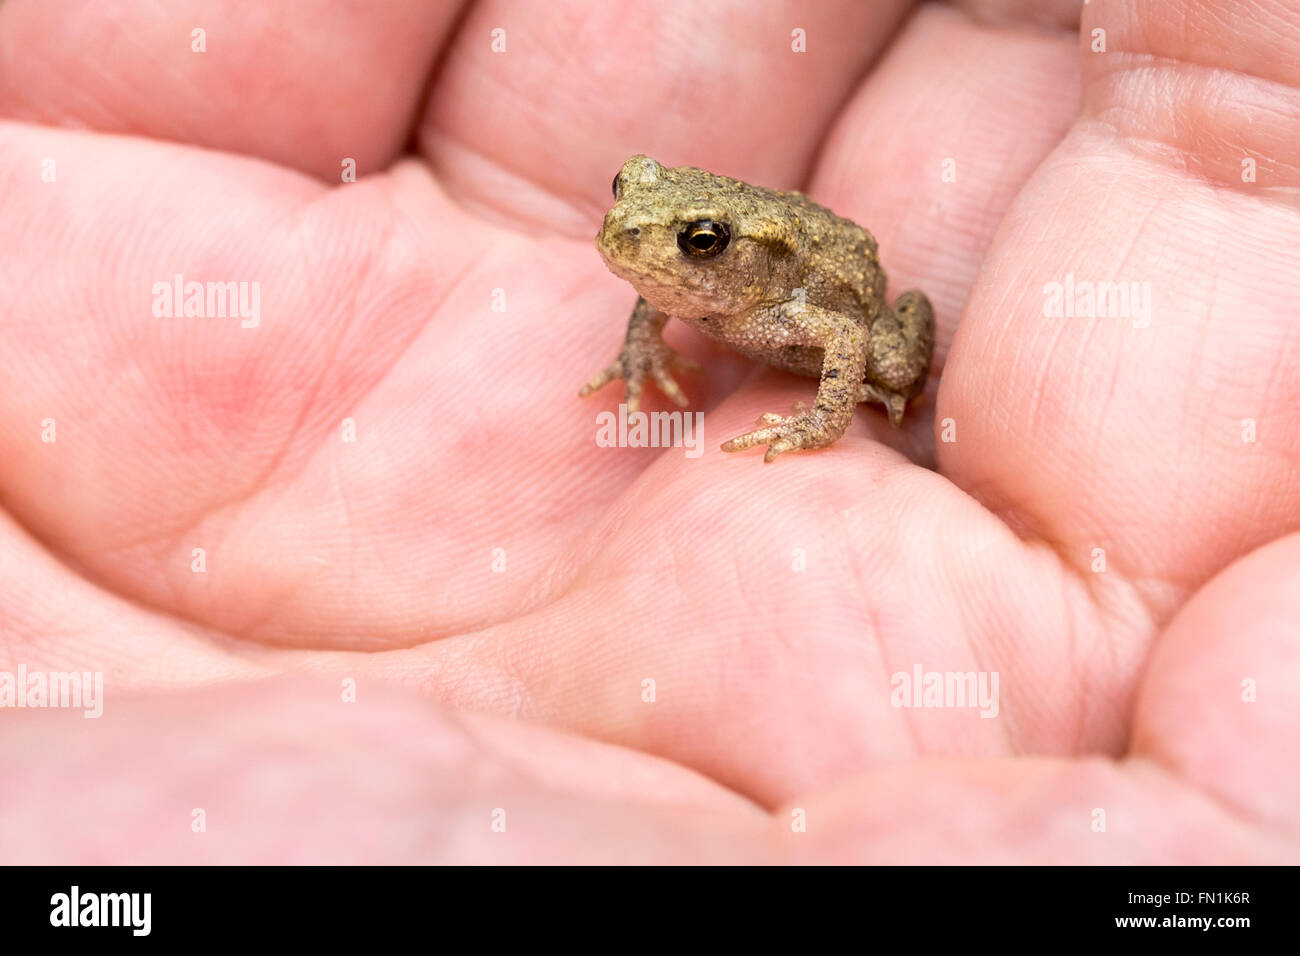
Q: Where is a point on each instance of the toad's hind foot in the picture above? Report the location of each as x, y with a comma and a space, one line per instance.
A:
895, 402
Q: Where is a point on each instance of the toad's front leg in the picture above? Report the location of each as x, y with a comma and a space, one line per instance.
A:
844, 342
644, 355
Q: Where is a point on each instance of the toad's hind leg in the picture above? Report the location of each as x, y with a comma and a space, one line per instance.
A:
899, 354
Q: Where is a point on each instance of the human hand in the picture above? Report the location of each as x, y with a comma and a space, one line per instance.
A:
373, 560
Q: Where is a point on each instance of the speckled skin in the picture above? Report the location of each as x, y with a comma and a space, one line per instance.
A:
774, 276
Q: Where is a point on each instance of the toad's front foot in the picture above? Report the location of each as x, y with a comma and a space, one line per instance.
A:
639, 362
804, 429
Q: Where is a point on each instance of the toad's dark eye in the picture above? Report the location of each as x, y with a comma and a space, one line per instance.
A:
703, 238
617, 190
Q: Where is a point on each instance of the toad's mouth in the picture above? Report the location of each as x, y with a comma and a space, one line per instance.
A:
630, 273
683, 296
631, 270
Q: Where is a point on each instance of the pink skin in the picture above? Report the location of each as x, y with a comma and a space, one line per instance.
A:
372, 560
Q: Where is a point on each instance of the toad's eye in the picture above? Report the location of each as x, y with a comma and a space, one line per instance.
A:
617, 191
703, 238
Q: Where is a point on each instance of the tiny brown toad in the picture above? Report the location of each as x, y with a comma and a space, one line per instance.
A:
774, 276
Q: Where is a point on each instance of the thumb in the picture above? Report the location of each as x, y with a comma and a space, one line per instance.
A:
1221, 703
